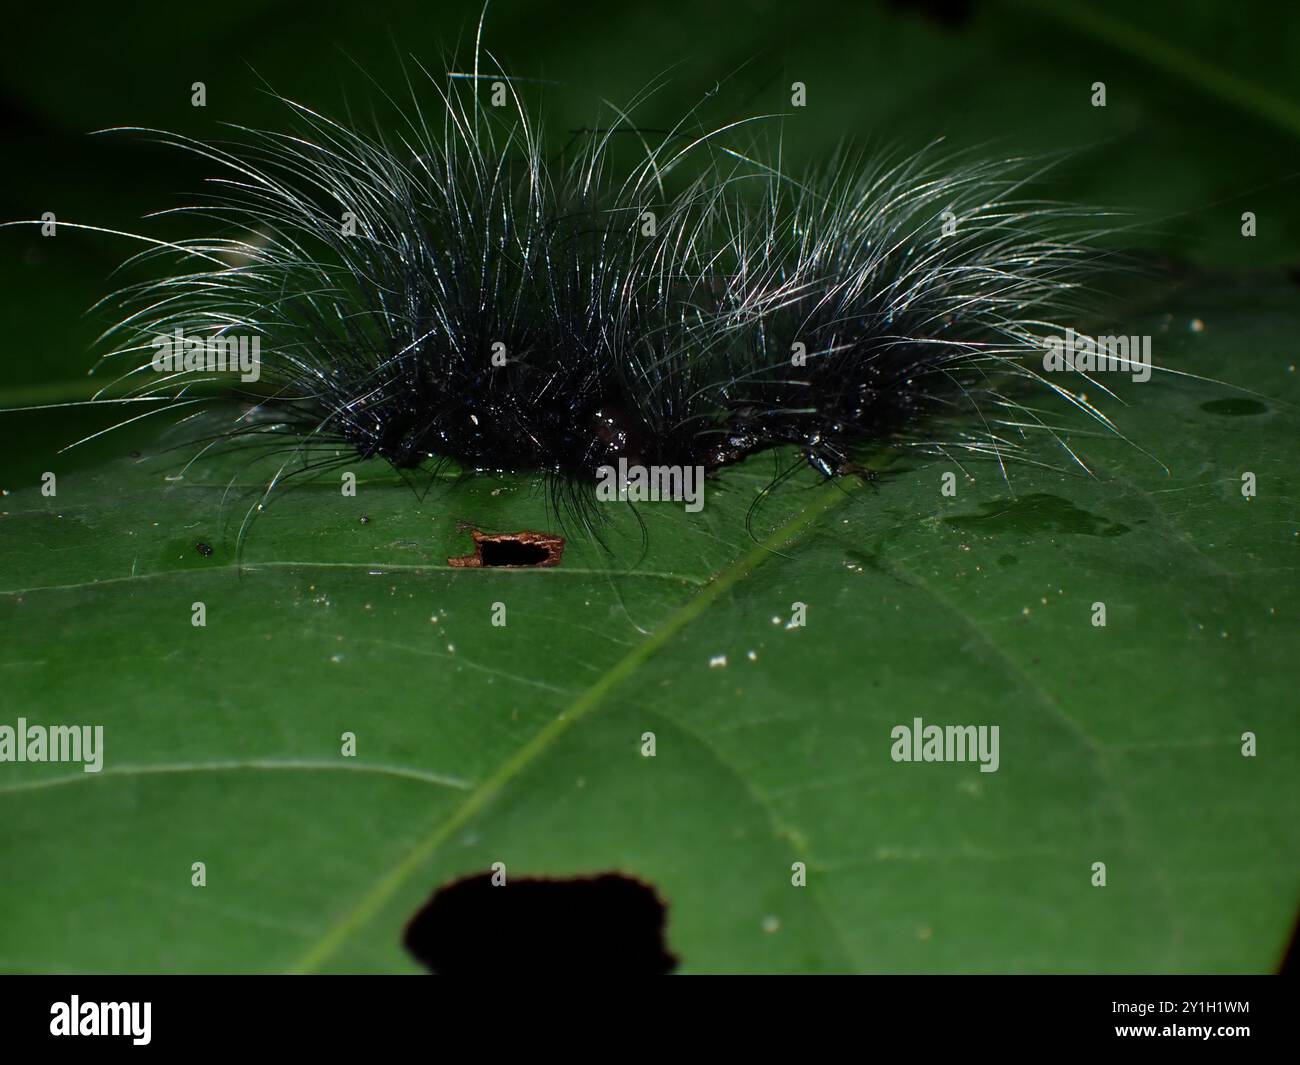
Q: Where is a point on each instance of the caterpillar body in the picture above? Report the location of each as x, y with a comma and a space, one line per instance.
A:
454, 290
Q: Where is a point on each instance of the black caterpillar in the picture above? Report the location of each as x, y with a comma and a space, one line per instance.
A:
453, 290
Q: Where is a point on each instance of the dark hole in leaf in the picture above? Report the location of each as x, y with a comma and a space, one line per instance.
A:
513, 553
602, 924
203, 549
521, 550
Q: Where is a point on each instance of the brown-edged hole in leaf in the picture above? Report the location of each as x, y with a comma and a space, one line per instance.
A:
609, 923
521, 550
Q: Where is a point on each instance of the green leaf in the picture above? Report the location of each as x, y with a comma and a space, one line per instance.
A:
521, 744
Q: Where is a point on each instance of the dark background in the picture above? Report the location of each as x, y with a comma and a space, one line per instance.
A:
1202, 118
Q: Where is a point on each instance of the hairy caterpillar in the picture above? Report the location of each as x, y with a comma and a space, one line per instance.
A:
454, 290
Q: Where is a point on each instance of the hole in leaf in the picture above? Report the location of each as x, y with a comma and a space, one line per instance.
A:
521, 550
601, 924
513, 553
